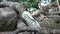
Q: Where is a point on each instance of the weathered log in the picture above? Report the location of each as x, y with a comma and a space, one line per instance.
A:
30, 20
55, 17
32, 23
53, 12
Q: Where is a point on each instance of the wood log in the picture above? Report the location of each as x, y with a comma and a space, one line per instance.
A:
55, 17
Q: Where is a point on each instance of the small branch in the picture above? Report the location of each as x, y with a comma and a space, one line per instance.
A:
37, 12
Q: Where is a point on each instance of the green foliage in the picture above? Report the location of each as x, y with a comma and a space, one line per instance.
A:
53, 0
32, 3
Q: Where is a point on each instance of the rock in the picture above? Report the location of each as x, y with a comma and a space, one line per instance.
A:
8, 19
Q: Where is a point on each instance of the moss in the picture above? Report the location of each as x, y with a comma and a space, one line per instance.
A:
50, 22
47, 22
57, 25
